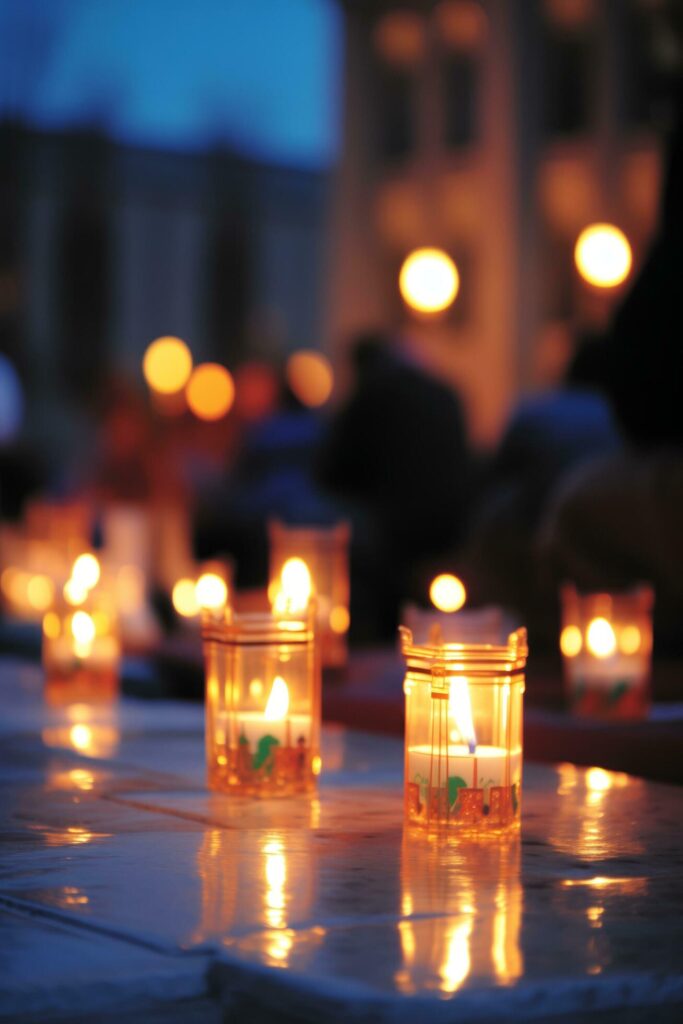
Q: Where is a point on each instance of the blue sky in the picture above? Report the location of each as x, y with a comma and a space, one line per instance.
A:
261, 75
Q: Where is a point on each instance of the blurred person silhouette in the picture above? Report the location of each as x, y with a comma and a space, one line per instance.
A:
398, 451
548, 435
618, 519
273, 475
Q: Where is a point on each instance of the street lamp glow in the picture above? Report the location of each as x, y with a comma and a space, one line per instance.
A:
210, 391
167, 365
603, 255
429, 280
447, 593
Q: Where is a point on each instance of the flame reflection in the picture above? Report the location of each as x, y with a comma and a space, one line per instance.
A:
461, 915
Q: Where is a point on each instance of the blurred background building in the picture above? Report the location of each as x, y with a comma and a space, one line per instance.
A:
497, 131
250, 177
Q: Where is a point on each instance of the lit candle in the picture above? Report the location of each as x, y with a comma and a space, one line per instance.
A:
463, 763
275, 724
606, 641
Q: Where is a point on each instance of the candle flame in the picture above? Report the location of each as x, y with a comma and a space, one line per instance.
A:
600, 638
211, 591
278, 701
295, 587
460, 711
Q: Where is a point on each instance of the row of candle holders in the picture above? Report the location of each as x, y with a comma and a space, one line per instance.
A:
464, 678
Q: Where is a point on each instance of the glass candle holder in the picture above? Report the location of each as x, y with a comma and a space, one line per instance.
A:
325, 550
81, 649
262, 703
482, 625
463, 738
606, 643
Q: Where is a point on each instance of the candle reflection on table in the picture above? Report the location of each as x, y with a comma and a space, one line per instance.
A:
461, 914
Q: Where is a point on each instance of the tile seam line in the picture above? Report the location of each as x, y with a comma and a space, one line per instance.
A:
30, 909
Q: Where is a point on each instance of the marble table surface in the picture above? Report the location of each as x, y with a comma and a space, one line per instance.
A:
129, 892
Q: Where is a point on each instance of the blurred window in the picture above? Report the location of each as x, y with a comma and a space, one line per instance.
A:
397, 112
650, 57
460, 93
568, 95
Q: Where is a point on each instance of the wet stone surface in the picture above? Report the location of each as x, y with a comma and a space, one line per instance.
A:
128, 890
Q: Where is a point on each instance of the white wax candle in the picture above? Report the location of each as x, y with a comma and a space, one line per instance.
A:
485, 767
605, 672
254, 726
65, 653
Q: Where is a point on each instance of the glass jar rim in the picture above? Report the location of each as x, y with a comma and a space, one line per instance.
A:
262, 627
472, 658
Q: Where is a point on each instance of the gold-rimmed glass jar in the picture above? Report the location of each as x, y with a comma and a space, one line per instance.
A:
463, 733
262, 702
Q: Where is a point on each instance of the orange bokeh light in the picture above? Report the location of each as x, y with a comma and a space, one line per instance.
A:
429, 281
167, 365
210, 391
447, 593
310, 376
603, 255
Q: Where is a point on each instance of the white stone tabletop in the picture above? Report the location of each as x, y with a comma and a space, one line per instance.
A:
130, 892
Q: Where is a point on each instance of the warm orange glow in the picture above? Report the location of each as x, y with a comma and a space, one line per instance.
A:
295, 587
310, 376
600, 638
83, 628
630, 640
81, 736
571, 641
447, 593
185, 599
86, 571
603, 255
40, 592
429, 280
316, 764
460, 712
598, 779
130, 588
74, 592
339, 619
210, 391
167, 365
278, 701
211, 591
400, 37
52, 626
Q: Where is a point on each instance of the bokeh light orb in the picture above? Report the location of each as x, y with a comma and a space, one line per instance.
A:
429, 280
167, 365
40, 592
571, 641
603, 255
210, 391
310, 376
447, 593
211, 591
11, 401
600, 638
83, 628
630, 640
86, 571
185, 599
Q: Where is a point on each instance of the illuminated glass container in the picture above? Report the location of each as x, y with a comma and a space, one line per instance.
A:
463, 739
325, 550
262, 703
606, 643
81, 650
